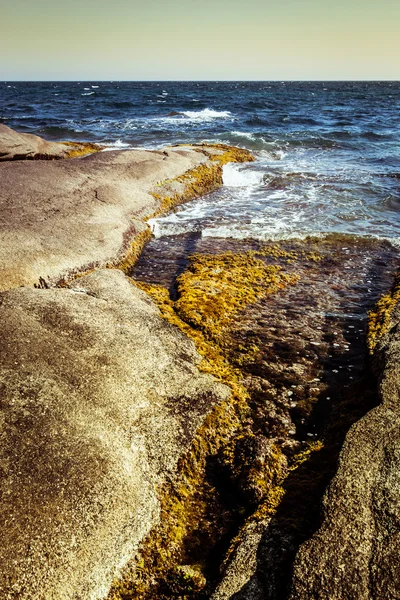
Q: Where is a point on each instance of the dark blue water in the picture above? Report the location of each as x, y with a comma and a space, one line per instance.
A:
328, 153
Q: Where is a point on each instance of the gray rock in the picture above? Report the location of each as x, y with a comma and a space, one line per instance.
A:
356, 552
63, 216
25, 146
99, 398
241, 576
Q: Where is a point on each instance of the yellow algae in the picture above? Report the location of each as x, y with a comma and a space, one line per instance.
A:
223, 154
214, 361
211, 292
269, 506
304, 455
82, 149
380, 318
216, 288
134, 251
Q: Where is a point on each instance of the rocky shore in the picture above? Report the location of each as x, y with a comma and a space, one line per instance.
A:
171, 435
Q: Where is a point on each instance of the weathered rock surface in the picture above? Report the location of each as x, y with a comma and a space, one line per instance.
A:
99, 398
59, 216
356, 552
26, 146
242, 579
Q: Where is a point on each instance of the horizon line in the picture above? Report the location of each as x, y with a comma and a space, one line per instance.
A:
199, 80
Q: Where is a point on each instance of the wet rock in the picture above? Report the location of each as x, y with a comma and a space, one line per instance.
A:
251, 463
25, 146
355, 553
185, 581
100, 397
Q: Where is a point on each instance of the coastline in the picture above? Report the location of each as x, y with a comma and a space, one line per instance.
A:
90, 372
123, 405
62, 217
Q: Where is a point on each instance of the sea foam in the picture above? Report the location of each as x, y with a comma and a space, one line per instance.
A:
234, 176
207, 114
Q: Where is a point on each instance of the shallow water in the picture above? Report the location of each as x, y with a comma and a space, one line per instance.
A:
307, 338
301, 353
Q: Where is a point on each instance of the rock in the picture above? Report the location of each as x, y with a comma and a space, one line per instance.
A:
240, 579
356, 552
175, 113
250, 463
25, 146
57, 217
100, 397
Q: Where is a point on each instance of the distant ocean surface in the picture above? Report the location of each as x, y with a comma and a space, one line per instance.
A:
328, 153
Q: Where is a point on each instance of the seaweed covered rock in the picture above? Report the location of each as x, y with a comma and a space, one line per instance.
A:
356, 552
301, 363
26, 146
100, 397
251, 463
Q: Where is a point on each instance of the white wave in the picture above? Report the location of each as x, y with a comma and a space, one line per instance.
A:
264, 233
186, 220
235, 176
117, 145
86, 88
95, 87
207, 114
244, 134
88, 94
129, 124
279, 154
160, 229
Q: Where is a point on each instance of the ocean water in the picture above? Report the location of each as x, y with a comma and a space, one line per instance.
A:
327, 153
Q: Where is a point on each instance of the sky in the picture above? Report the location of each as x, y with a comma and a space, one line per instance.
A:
199, 40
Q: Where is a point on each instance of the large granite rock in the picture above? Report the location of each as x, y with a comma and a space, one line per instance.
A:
99, 398
26, 146
356, 552
63, 216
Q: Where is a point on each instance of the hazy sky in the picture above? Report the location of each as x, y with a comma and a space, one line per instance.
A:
199, 39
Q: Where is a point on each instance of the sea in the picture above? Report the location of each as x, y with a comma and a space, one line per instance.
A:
327, 153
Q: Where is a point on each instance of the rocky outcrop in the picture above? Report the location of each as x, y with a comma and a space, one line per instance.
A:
26, 146
100, 397
355, 553
58, 217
